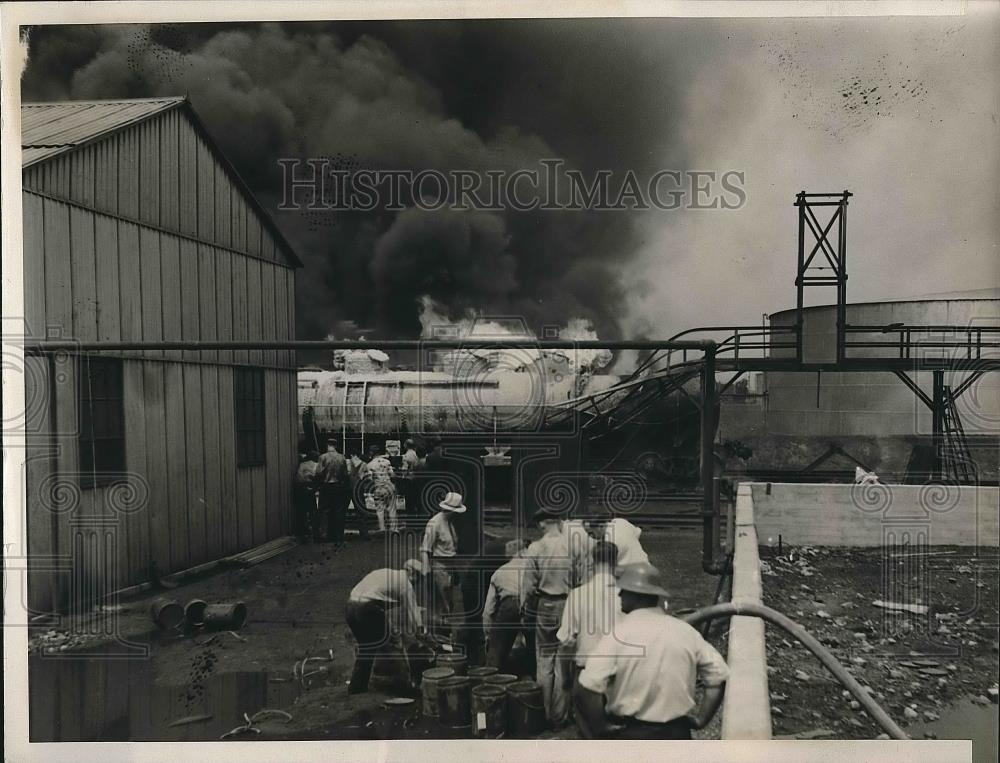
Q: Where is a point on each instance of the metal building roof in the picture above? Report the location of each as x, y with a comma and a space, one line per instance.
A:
48, 129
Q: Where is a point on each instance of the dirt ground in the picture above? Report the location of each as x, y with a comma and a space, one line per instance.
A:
917, 665
296, 611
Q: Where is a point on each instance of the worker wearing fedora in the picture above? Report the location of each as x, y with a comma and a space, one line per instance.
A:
440, 543
640, 683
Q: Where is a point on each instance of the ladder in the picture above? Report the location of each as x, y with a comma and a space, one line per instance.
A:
955, 455
349, 401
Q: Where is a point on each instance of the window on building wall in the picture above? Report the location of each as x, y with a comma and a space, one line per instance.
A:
249, 417
101, 409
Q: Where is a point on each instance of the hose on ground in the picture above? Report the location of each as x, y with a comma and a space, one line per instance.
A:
753, 609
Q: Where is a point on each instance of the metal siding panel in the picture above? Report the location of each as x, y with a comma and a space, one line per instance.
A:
229, 502
206, 192
149, 171
128, 174
207, 306
62, 177
170, 268
130, 281
152, 301
169, 182
108, 306
272, 434
196, 459
37, 468
81, 167
239, 221
158, 454
33, 220
187, 167
255, 329
33, 177
268, 275
240, 320
177, 466
106, 176
280, 312
67, 462
290, 413
190, 316
223, 207
212, 461
253, 233
136, 557
58, 270
259, 492
83, 264
290, 280
224, 300
244, 508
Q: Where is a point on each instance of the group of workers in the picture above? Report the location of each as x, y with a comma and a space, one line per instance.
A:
327, 484
585, 600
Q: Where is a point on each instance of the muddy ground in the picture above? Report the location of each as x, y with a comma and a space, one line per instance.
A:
917, 666
296, 611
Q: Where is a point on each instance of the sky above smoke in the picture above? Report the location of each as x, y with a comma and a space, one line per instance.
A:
903, 112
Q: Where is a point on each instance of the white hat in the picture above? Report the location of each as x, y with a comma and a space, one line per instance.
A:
453, 502
414, 565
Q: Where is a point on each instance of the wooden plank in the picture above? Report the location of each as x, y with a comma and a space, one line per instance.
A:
224, 300
213, 462
170, 281
227, 461
152, 275
128, 173
269, 330
137, 524
83, 265
255, 326
187, 167
169, 182
157, 459
207, 308
196, 462
241, 325
177, 466
149, 171
58, 271
108, 307
130, 283
206, 192
223, 207
190, 276
33, 220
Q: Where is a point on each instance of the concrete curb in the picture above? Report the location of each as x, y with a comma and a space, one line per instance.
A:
746, 710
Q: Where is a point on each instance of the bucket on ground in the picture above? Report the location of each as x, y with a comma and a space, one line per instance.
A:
454, 697
194, 612
525, 709
429, 688
167, 613
498, 679
225, 616
476, 675
457, 662
489, 711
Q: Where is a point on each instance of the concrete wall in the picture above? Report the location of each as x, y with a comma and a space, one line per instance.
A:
746, 711
874, 515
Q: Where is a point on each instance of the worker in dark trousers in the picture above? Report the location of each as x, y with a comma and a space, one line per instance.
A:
381, 604
304, 494
334, 492
360, 486
641, 680
501, 612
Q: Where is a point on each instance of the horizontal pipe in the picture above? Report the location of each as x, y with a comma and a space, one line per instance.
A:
753, 609
375, 344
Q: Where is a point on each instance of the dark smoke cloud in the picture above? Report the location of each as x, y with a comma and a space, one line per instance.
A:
442, 95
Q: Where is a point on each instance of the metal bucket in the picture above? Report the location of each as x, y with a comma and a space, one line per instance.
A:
429, 688
194, 612
476, 675
167, 613
489, 711
498, 679
225, 617
525, 710
457, 662
454, 698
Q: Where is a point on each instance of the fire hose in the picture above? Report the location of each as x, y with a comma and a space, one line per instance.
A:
753, 609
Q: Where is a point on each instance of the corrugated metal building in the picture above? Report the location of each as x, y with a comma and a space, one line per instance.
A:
137, 228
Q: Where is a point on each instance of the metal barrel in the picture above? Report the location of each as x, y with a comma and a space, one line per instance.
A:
429, 688
454, 698
489, 711
167, 613
225, 616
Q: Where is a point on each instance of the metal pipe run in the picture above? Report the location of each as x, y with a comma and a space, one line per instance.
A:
752, 609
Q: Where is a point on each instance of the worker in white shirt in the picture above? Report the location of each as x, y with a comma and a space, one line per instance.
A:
642, 682
581, 546
440, 543
625, 535
383, 489
550, 573
502, 610
592, 612
380, 604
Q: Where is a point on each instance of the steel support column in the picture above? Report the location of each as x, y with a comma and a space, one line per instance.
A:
711, 556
